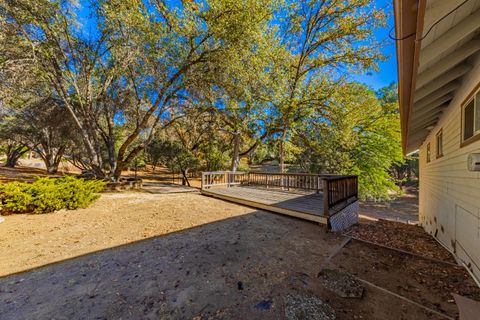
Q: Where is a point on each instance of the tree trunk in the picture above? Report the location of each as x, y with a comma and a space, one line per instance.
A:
118, 170
112, 157
184, 178
50, 164
51, 157
14, 154
52, 169
48, 160
281, 152
122, 161
11, 160
58, 157
236, 152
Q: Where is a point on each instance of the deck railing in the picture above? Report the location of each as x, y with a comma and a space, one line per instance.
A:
302, 181
223, 179
338, 190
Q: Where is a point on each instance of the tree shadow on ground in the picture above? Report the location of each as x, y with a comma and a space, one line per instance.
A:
239, 268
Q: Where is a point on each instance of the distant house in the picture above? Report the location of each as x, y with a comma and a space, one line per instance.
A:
438, 54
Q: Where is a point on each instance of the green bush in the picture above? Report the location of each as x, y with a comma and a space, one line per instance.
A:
48, 194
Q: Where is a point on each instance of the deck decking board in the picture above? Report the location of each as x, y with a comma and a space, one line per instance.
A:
306, 206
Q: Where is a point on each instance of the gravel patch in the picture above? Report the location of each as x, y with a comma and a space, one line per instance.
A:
306, 307
342, 283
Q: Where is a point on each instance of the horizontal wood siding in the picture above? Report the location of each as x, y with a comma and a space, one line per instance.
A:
449, 193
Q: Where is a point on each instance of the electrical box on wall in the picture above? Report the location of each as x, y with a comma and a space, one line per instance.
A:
474, 162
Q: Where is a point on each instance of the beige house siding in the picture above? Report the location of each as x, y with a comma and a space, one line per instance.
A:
449, 193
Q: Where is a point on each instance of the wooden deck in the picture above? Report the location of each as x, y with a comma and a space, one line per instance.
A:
307, 206
325, 198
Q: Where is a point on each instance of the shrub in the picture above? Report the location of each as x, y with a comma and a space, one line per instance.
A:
48, 194
243, 165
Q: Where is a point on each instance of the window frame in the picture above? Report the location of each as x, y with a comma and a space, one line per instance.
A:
472, 96
439, 146
429, 153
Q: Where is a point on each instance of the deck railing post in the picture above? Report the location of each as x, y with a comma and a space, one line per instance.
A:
203, 181
326, 197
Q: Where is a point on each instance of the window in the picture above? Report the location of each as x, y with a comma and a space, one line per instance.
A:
471, 118
468, 116
428, 152
440, 144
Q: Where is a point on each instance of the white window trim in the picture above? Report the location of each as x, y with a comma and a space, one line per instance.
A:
476, 104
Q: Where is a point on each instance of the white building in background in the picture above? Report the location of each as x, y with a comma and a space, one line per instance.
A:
438, 55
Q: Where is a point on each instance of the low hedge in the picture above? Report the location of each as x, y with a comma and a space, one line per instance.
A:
48, 194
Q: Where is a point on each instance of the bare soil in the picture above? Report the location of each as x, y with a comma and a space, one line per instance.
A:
20, 174
163, 255
251, 266
404, 208
31, 240
29, 169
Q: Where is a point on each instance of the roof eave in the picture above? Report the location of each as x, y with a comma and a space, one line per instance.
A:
409, 17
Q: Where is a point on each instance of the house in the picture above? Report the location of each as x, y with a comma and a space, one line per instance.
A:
438, 55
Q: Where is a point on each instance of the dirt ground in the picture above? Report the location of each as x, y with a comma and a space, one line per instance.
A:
29, 169
249, 266
402, 209
32, 240
140, 255
20, 174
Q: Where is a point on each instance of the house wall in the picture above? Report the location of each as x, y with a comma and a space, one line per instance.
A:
449, 204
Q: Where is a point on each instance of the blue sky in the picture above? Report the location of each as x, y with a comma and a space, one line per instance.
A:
388, 68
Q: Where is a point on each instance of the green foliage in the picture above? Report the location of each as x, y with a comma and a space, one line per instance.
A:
358, 133
264, 152
321, 37
138, 162
41, 125
48, 194
138, 60
407, 171
175, 156
243, 165
196, 82
214, 158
